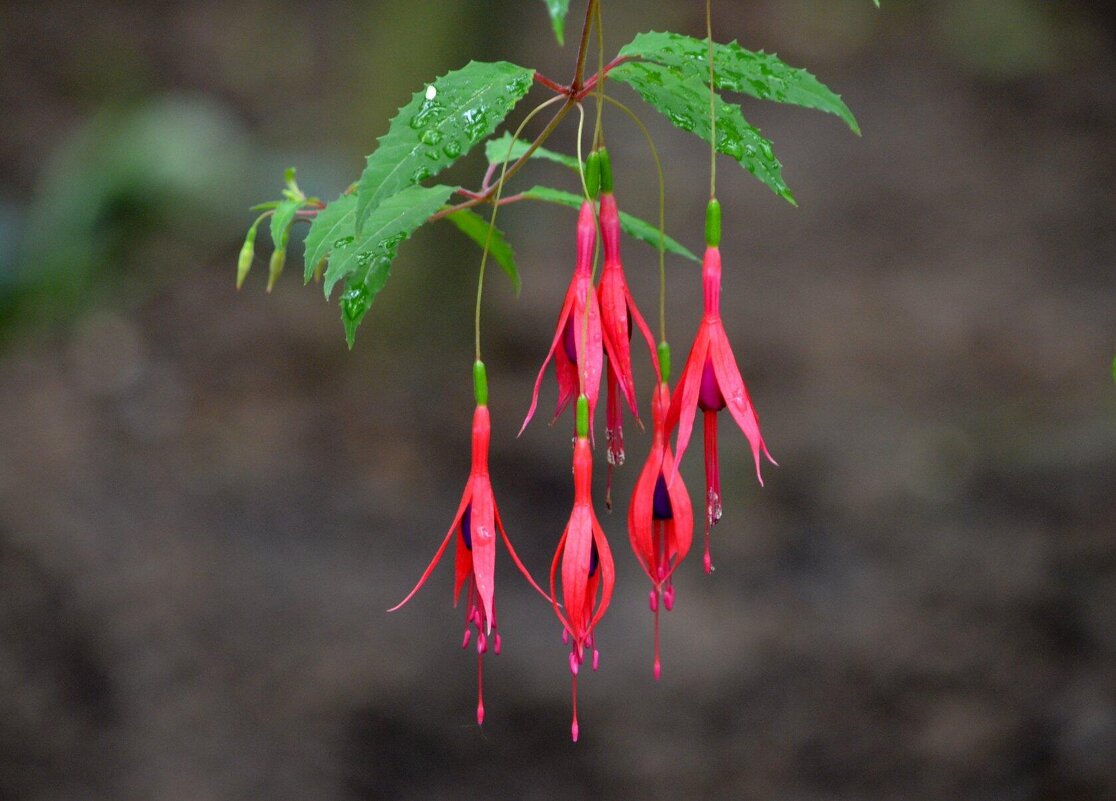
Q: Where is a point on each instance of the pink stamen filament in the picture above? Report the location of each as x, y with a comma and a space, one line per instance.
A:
573, 725
712, 483
480, 688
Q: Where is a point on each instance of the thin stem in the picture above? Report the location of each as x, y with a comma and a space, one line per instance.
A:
712, 104
598, 132
492, 220
591, 82
579, 70
662, 210
553, 86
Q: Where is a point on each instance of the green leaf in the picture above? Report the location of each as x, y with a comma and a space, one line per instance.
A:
496, 150
357, 298
684, 100
476, 228
281, 222
365, 261
761, 75
558, 9
632, 226
441, 123
332, 227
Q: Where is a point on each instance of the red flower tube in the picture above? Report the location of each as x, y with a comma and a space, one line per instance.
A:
711, 380
618, 312
474, 530
578, 330
588, 574
660, 518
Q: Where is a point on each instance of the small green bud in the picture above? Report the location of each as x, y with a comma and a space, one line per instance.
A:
713, 223
606, 170
480, 383
582, 416
664, 361
593, 174
275, 268
247, 253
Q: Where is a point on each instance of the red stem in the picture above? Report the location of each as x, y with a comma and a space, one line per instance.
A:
553, 86
592, 81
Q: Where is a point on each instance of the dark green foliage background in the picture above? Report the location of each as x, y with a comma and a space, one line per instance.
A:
207, 501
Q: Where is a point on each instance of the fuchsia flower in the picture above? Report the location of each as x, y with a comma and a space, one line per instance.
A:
618, 311
711, 380
660, 518
587, 570
475, 526
579, 335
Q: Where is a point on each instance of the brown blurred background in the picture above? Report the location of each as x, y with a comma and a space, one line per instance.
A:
207, 502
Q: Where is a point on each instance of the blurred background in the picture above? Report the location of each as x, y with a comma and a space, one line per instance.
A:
207, 502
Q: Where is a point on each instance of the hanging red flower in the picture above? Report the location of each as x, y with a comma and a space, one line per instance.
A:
588, 573
660, 518
711, 380
474, 530
578, 330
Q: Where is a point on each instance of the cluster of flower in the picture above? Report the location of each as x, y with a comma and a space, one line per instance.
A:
592, 336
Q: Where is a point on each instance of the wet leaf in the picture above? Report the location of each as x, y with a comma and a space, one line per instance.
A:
441, 124
684, 100
761, 75
364, 262
332, 227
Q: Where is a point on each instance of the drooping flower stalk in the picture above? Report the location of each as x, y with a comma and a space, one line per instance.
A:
576, 347
711, 381
584, 559
474, 530
660, 518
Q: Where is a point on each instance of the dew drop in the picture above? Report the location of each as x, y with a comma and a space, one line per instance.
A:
431, 136
452, 149
431, 92
355, 302
343, 242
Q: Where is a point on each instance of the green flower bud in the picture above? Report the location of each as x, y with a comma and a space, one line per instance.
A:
664, 361
593, 174
275, 268
582, 416
480, 383
606, 170
247, 253
713, 223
